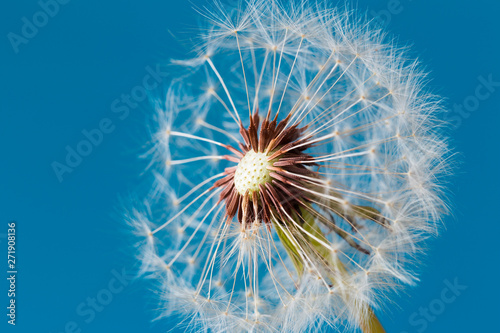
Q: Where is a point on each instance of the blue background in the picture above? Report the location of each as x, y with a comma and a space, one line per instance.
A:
70, 240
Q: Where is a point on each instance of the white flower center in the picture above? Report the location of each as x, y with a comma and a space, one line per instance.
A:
251, 172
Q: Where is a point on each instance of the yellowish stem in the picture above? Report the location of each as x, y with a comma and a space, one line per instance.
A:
313, 238
371, 324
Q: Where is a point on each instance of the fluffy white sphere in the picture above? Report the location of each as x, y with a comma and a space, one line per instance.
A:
297, 162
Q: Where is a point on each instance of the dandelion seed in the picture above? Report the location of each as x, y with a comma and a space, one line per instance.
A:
297, 166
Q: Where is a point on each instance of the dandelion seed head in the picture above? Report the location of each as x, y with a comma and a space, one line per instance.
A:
296, 167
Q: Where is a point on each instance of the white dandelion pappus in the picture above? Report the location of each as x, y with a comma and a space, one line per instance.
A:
297, 163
